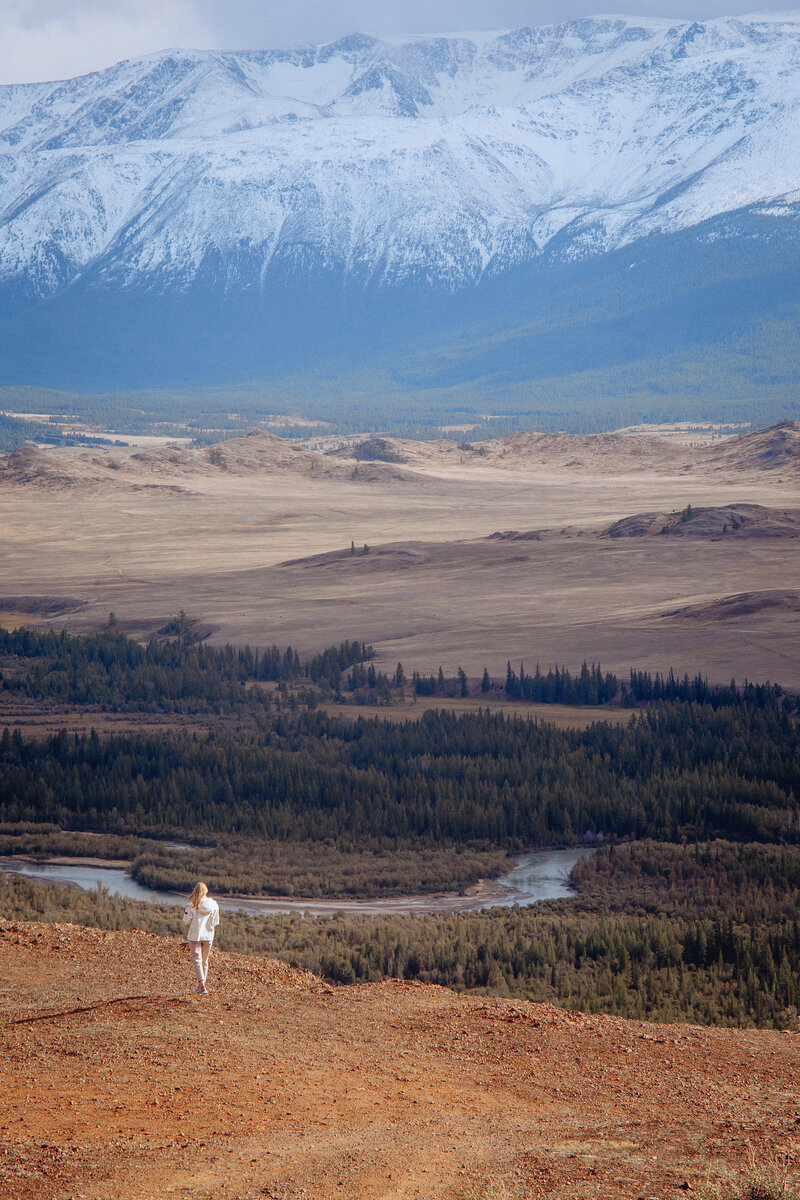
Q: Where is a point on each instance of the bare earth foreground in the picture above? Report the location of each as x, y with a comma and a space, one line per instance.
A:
118, 1083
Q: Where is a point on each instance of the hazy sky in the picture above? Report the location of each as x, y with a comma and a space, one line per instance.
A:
55, 39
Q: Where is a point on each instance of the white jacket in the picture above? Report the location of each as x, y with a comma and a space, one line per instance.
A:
202, 920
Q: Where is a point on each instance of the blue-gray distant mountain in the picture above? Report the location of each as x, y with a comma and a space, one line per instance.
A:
198, 216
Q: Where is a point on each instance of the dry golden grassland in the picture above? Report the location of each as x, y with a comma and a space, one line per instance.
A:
254, 538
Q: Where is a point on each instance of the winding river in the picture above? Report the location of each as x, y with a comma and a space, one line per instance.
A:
543, 875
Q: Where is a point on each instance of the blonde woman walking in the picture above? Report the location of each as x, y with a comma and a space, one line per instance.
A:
202, 916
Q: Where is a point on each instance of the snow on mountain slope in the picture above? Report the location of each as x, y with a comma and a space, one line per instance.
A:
436, 160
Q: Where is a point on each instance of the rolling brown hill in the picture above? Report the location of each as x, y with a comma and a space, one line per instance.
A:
257, 452
66, 469
167, 468
145, 534
119, 1083
743, 604
741, 521
764, 452
606, 452
729, 520
775, 449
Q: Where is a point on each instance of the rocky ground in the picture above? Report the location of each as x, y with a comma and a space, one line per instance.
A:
117, 1082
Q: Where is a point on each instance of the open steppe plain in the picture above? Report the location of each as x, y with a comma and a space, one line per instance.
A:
253, 539
118, 1083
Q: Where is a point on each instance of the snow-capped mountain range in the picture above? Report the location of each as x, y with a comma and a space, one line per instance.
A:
434, 161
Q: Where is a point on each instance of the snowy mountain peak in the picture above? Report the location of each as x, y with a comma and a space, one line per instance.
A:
432, 159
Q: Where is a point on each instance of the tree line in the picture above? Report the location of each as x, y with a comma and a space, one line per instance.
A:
177, 673
172, 673
707, 933
558, 686
677, 771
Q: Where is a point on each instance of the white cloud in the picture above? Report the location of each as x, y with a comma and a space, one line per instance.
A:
55, 39
264, 23
43, 39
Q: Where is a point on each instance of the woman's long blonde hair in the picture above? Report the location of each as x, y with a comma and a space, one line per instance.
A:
199, 894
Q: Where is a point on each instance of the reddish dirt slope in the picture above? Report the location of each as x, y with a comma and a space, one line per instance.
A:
118, 1083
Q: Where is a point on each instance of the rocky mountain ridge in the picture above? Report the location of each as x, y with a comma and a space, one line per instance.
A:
435, 162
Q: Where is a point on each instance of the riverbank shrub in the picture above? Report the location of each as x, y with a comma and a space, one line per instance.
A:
707, 934
260, 867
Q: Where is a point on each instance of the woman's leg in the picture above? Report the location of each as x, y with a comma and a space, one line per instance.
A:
206, 948
196, 951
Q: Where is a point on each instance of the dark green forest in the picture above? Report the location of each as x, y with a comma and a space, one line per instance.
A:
293, 798
675, 772
481, 782
175, 672
697, 326
705, 933
686, 911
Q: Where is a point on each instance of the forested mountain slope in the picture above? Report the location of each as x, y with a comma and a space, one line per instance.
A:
520, 205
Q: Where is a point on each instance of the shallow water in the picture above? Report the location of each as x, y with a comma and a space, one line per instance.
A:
543, 875
116, 879
540, 876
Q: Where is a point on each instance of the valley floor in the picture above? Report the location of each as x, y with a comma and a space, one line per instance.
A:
253, 539
118, 1083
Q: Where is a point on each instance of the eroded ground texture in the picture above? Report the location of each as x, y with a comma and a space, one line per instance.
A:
119, 1083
